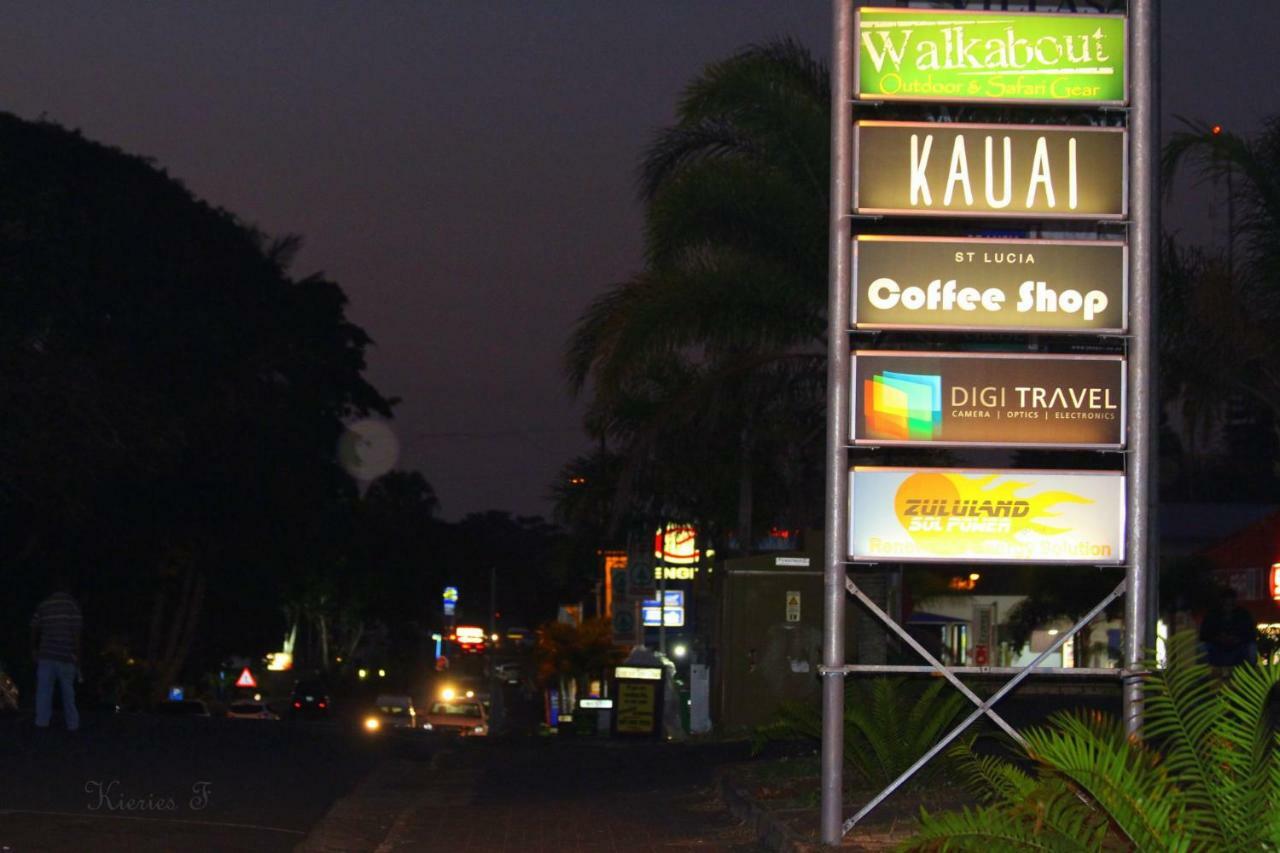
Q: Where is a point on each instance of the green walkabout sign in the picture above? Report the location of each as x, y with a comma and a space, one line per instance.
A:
1010, 57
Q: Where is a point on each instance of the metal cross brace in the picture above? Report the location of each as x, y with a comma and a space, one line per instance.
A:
983, 708
928, 656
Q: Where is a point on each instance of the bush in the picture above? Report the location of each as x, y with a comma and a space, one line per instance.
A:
1206, 778
888, 724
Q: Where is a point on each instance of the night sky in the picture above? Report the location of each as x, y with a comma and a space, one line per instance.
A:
465, 169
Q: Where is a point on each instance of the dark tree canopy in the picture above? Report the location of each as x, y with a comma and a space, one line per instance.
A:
173, 396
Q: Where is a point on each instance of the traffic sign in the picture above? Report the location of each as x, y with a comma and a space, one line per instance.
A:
640, 580
624, 625
618, 586
246, 679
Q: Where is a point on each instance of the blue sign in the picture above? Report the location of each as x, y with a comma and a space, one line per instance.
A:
176, 694
672, 614
450, 600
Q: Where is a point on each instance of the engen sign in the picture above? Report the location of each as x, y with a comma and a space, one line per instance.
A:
965, 515
957, 55
953, 169
942, 283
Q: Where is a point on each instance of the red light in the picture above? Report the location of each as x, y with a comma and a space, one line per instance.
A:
297, 704
321, 704
1217, 129
1275, 581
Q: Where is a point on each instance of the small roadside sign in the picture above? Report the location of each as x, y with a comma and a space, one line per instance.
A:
246, 679
640, 582
618, 588
624, 625
793, 606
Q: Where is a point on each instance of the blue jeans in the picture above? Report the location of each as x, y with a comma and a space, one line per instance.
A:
65, 673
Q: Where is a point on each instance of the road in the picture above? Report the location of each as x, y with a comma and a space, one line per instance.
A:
142, 782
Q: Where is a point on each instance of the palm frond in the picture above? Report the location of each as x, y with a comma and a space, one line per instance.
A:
1126, 780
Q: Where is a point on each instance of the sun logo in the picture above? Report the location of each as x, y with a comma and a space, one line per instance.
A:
950, 513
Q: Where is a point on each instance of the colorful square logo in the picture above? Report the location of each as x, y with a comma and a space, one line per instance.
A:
903, 406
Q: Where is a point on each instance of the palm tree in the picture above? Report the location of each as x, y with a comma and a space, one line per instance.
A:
1219, 311
716, 350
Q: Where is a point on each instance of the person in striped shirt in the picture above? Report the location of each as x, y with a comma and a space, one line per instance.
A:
55, 641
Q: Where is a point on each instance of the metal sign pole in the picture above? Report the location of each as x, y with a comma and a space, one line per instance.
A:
837, 484
1144, 235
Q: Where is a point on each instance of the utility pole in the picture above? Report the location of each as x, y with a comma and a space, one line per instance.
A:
1141, 575
837, 483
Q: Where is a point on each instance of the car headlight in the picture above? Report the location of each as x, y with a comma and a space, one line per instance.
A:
471, 694
480, 730
372, 724
447, 694
427, 726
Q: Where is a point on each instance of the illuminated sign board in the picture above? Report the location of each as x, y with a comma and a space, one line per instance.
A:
450, 600
902, 398
968, 515
941, 283
673, 614
990, 170
676, 544
957, 55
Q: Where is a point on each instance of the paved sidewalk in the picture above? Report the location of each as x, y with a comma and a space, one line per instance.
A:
545, 794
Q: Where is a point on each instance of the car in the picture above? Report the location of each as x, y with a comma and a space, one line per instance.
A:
391, 711
464, 717
508, 671
183, 708
310, 699
250, 711
464, 687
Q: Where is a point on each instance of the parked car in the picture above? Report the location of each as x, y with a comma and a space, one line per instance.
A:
250, 711
391, 711
465, 717
310, 700
508, 671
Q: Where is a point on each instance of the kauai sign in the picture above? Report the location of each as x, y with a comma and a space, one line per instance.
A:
990, 170
927, 55
962, 515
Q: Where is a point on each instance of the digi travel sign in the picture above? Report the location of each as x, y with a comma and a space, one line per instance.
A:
965, 399
1013, 58
990, 170
990, 516
949, 284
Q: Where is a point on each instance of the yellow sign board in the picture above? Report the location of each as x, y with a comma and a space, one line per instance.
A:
636, 708
986, 515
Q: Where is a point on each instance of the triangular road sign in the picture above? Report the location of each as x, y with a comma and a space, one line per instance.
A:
246, 679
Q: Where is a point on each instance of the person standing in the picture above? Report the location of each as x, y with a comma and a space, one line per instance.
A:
55, 643
1229, 632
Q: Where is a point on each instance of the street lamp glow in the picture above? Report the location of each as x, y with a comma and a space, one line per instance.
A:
680, 650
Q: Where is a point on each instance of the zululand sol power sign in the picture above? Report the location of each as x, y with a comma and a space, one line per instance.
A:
990, 170
1006, 57
1006, 400
939, 283
986, 515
